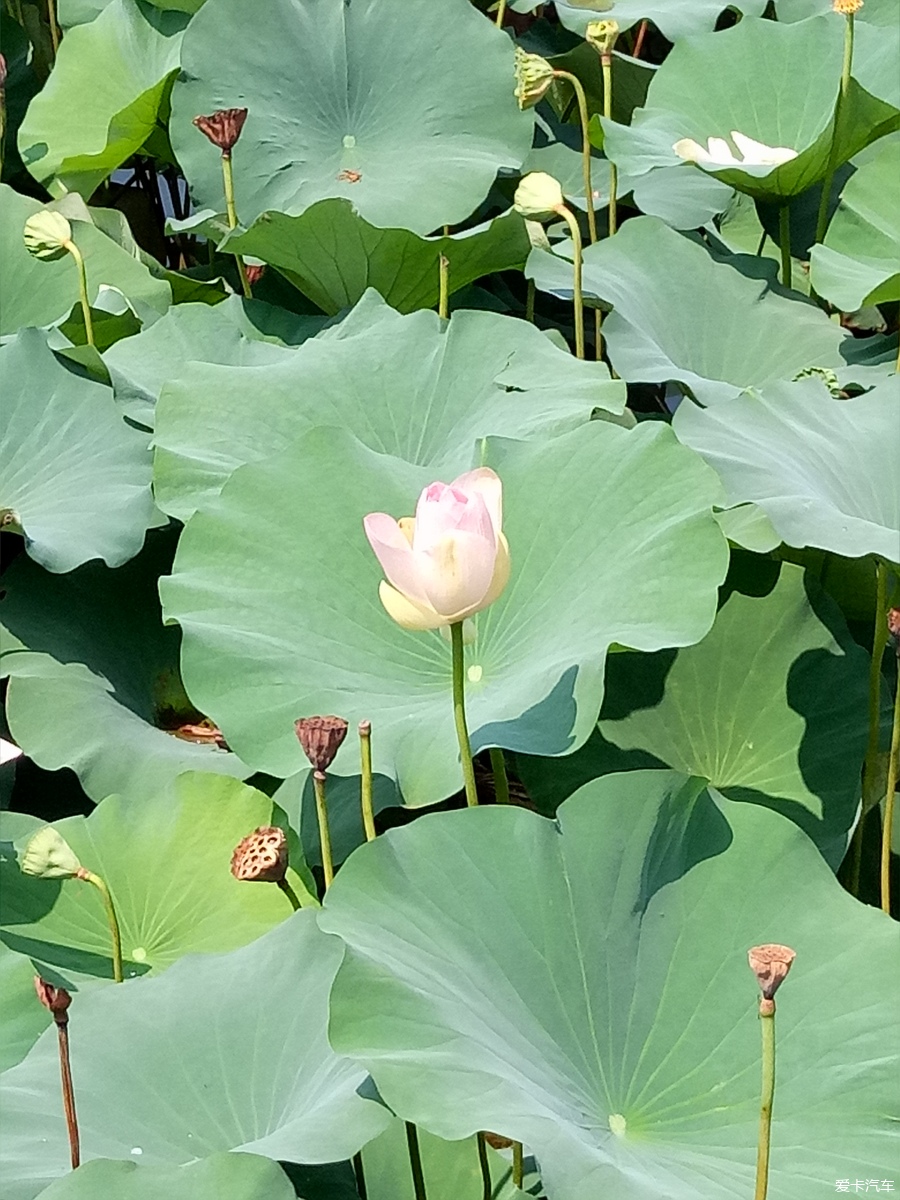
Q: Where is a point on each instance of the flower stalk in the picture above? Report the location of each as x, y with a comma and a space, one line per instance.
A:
849, 9
487, 1186
784, 239
321, 738
111, 918
223, 128
577, 292
770, 964
893, 766
501, 779
518, 1165
365, 755
879, 641
459, 713
57, 1000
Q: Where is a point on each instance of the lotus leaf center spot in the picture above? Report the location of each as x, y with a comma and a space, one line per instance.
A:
139, 954
474, 673
136, 1150
349, 141
617, 1124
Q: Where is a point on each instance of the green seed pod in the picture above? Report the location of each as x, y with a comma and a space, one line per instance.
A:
49, 856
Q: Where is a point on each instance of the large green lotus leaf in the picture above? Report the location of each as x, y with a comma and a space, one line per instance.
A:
769, 707
405, 110
237, 332
332, 255
859, 262
75, 477
219, 1177
412, 386
710, 85
166, 863
582, 985
825, 471
221, 1052
104, 97
675, 21
94, 682
680, 315
22, 1018
873, 12
276, 590
42, 293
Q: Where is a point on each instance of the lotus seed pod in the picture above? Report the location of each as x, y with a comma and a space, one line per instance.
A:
602, 36
262, 856
770, 964
47, 234
223, 128
497, 1141
321, 738
56, 999
847, 7
49, 856
537, 195
533, 78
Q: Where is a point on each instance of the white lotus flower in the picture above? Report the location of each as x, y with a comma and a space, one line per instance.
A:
717, 152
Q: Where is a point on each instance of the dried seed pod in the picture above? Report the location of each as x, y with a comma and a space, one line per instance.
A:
56, 999
497, 1141
262, 856
534, 75
770, 964
223, 128
321, 738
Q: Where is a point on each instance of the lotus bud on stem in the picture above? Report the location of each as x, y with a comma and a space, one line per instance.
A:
366, 800
321, 738
57, 1000
48, 236
602, 36
223, 128
893, 624
770, 964
262, 857
49, 856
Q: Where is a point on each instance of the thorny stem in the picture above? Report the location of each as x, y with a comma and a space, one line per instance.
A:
231, 215
784, 238
767, 1027
415, 1160
365, 787
112, 919
879, 639
68, 1092
828, 183
518, 1170
887, 829
484, 1164
501, 780
459, 713
83, 291
290, 893
324, 832
578, 297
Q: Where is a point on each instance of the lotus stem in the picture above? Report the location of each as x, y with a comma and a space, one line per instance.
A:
459, 712
784, 238
365, 787
55, 37
530, 292
111, 918
828, 182
487, 1187
767, 1027
68, 1093
585, 148
324, 831
444, 283
879, 640
360, 1176
501, 14
578, 297
83, 291
639, 40
518, 1169
887, 829
231, 216
606, 68
415, 1160
290, 893
501, 779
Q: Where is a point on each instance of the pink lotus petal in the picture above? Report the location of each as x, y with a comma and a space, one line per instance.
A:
393, 551
456, 572
485, 483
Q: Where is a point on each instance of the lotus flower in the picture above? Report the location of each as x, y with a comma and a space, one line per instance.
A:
450, 560
719, 154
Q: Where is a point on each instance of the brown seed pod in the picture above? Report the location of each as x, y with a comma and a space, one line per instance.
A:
770, 964
262, 856
223, 128
56, 999
321, 738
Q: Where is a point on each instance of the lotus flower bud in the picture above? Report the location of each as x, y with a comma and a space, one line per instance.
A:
56, 999
448, 562
262, 856
537, 195
321, 738
602, 36
255, 272
47, 234
770, 964
534, 76
49, 856
223, 128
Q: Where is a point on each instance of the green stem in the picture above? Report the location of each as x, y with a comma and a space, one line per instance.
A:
828, 182
879, 640
487, 1188
324, 832
231, 216
459, 712
55, 37
569, 217
83, 291
359, 1176
767, 1026
518, 1171
529, 301
443, 284
501, 13
784, 238
585, 148
415, 1161
606, 68
365, 787
501, 780
887, 829
112, 919
290, 893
